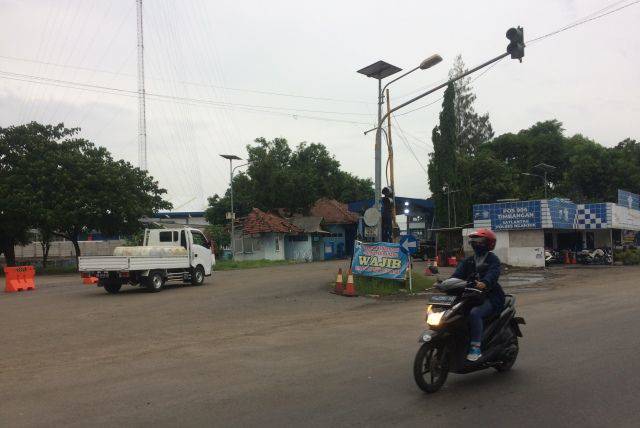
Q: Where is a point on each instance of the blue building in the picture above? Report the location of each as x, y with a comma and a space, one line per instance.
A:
526, 228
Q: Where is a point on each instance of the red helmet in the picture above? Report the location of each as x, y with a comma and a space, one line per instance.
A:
485, 236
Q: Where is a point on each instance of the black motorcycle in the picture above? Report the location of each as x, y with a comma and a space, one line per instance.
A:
446, 342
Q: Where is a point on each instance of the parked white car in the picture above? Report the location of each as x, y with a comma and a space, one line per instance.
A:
180, 254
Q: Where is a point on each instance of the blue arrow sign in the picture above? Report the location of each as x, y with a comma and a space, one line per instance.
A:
409, 243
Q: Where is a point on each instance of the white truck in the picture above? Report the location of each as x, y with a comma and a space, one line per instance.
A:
181, 254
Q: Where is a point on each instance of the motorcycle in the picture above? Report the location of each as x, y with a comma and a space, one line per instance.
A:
445, 343
598, 256
552, 257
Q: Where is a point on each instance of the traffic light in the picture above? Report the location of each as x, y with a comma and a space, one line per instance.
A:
516, 43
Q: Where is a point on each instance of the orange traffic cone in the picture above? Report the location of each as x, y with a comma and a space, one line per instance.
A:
567, 260
350, 291
339, 287
573, 259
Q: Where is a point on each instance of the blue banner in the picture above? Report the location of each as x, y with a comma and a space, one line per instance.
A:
628, 199
516, 215
380, 260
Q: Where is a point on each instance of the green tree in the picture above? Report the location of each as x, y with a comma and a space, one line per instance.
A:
66, 186
100, 193
442, 169
27, 164
279, 177
219, 235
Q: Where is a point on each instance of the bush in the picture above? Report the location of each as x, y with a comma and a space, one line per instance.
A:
628, 257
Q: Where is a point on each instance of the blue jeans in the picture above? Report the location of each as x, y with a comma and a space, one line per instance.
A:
476, 315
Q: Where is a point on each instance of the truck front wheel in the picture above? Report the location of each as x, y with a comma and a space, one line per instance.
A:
197, 275
155, 281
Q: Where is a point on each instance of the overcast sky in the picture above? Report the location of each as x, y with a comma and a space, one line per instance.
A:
288, 69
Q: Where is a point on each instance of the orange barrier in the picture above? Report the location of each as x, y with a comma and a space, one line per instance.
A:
350, 291
339, 287
19, 278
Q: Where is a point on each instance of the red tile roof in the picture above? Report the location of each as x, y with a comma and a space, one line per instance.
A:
259, 221
333, 212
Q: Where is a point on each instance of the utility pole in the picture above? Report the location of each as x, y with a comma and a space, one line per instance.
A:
232, 214
394, 224
142, 119
380, 70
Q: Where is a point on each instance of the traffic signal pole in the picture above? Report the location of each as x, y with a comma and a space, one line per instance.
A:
515, 49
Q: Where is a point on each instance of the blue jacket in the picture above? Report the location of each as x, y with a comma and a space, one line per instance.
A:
488, 272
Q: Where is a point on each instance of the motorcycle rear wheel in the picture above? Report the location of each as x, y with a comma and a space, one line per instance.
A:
511, 354
430, 367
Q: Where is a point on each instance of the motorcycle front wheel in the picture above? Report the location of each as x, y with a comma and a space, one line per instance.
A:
430, 367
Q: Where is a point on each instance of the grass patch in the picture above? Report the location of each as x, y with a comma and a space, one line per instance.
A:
56, 270
387, 287
249, 264
50, 270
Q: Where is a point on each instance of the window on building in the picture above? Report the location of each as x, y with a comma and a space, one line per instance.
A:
257, 243
297, 238
247, 246
277, 243
239, 244
166, 237
175, 236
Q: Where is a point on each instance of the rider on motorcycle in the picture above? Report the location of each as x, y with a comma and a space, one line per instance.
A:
484, 268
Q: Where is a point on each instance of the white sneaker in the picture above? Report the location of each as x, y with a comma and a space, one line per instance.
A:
474, 353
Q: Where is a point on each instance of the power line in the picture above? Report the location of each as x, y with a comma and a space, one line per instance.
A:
406, 143
177, 100
120, 91
583, 21
199, 84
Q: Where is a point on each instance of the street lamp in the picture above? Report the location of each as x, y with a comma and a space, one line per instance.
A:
546, 169
380, 70
232, 216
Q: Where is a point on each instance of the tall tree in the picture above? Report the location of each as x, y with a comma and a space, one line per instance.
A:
442, 169
472, 129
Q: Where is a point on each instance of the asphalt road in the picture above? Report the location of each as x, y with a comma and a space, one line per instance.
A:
270, 347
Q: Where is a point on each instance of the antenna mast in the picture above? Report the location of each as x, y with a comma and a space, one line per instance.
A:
142, 120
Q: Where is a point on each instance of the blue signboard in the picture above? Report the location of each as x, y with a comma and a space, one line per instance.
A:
380, 260
628, 199
516, 215
563, 213
409, 243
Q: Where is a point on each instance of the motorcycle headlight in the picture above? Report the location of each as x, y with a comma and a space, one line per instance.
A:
434, 315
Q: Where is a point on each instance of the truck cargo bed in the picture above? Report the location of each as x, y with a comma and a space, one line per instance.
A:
125, 263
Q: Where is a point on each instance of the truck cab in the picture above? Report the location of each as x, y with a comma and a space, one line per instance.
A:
192, 240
